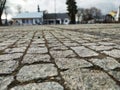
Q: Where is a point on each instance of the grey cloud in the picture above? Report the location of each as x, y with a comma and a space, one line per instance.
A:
31, 5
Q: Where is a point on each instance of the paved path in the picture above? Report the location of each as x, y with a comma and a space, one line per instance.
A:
75, 57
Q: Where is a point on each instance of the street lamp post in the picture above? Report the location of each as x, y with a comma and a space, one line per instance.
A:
55, 9
6, 22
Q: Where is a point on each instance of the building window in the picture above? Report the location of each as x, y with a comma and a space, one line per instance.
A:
26, 21
66, 20
23, 20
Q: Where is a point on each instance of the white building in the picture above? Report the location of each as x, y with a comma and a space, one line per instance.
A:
117, 18
29, 18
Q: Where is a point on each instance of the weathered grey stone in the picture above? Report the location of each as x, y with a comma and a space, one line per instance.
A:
85, 79
115, 73
90, 44
70, 63
15, 50
10, 41
97, 80
23, 41
40, 86
36, 71
5, 44
62, 54
3, 47
10, 56
58, 48
8, 66
55, 44
37, 45
114, 53
38, 41
107, 43
73, 79
117, 46
71, 44
4, 82
106, 63
41, 50
101, 48
31, 58
84, 52
82, 41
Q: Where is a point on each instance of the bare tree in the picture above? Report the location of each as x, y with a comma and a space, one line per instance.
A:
95, 12
19, 8
2, 6
80, 12
88, 14
6, 10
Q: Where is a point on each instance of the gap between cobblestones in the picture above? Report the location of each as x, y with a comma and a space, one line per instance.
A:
2, 53
20, 65
62, 81
10, 46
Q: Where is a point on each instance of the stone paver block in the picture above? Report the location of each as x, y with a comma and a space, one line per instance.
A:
37, 45
15, 50
115, 74
38, 41
36, 71
106, 63
90, 44
31, 58
13, 56
107, 43
38, 50
3, 47
62, 54
82, 41
8, 66
58, 48
85, 79
73, 79
84, 52
55, 44
71, 44
40, 86
114, 53
70, 63
101, 48
5, 81
97, 80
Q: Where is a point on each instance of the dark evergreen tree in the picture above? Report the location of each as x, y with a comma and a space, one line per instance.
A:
72, 10
2, 6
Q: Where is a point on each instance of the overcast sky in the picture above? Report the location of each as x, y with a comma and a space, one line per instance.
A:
31, 5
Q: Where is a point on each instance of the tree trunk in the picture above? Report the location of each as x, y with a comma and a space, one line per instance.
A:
0, 20
2, 5
73, 19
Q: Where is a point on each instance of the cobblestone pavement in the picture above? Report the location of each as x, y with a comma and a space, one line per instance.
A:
74, 57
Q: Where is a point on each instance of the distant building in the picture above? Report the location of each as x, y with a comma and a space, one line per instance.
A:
109, 18
56, 18
117, 18
30, 18
40, 17
113, 16
3, 21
